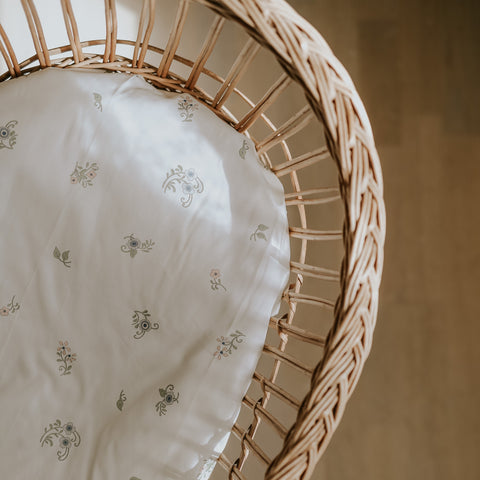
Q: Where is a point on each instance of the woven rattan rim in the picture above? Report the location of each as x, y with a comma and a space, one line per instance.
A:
307, 59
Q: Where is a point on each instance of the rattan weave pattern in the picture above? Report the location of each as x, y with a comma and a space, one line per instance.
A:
332, 98
308, 60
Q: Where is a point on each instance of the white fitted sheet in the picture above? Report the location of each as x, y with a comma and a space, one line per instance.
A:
142, 230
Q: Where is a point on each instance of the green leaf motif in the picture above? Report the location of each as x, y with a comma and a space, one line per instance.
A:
121, 400
258, 233
243, 150
10, 309
62, 257
97, 101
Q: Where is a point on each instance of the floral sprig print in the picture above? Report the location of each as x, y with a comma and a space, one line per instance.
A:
84, 175
66, 358
143, 324
66, 434
10, 309
225, 346
216, 282
169, 397
121, 400
97, 99
8, 136
62, 256
187, 179
243, 150
186, 107
258, 233
133, 245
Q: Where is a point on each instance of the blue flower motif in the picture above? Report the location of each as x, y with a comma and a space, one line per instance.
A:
68, 427
65, 442
187, 188
133, 243
190, 174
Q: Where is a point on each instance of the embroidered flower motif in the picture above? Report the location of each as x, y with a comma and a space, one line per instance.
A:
65, 442
216, 282
142, 323
65, 358
121, 400
243, 150
190, 174
186, 107
70, 357
8, 136
189, 181
133, 245
187, 188
97, 98
67, 435
225, 346
64, 347
69, 428
62, 257
258, 233
84, 175
10, 309
169, 398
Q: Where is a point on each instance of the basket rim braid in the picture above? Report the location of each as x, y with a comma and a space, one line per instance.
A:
307, 60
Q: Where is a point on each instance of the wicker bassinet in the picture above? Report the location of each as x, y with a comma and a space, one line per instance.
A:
279, 434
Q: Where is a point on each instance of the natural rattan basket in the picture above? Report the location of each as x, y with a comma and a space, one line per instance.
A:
309, 367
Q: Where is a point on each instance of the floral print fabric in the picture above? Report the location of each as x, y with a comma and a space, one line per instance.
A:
141, 262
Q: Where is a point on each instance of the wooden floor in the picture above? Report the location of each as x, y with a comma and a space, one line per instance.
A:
415, 413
